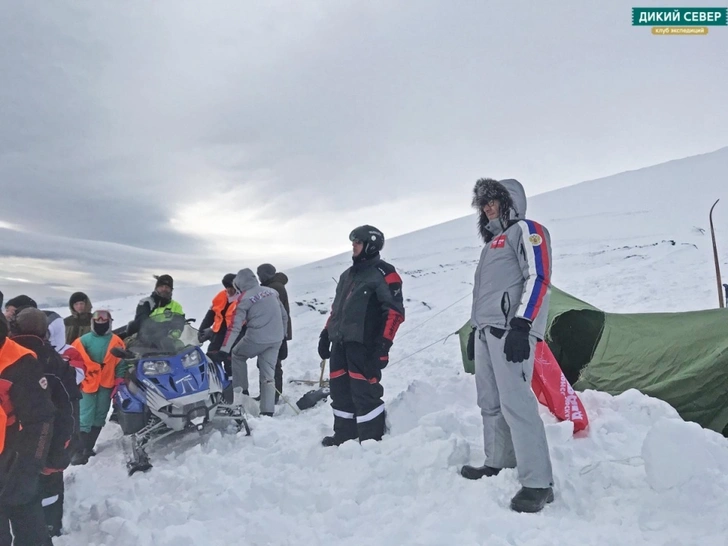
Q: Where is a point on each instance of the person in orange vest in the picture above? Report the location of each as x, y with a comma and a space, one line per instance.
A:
26, 428
220, 315
30, 330
101, 373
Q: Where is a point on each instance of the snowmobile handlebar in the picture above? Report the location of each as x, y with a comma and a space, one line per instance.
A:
126, 354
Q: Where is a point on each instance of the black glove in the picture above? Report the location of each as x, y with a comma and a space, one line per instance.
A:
204, 335
381, 352
471, 345
324, 346
517, 346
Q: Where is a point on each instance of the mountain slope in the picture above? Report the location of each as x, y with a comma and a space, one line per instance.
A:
632, 242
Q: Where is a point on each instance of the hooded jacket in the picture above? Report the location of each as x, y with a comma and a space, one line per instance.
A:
259, 309
56, 331
64, 392
513, 277
78, 324
278, 283
26, 417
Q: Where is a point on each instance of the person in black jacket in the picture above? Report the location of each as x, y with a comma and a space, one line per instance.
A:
28, 329
26, 428
13, 305
367, 311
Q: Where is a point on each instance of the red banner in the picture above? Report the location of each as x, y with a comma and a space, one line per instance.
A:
554, 391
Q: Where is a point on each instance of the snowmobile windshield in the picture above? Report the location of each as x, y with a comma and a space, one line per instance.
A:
164, 336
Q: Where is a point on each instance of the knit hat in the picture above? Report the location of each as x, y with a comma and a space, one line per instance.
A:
21, 301
31, 321
77, 297
227, 280
164, 280
266, 272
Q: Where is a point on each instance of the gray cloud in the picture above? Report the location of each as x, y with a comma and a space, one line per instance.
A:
224, 132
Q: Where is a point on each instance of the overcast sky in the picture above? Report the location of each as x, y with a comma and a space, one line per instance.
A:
197, 137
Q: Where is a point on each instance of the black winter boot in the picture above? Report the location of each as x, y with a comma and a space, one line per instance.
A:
373, 429
92, 438
331, 441
81, 455
477, 472
531, 499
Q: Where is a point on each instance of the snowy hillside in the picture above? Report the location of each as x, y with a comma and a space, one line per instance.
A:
636, 241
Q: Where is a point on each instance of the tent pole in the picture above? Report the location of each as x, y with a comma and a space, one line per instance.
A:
721, 303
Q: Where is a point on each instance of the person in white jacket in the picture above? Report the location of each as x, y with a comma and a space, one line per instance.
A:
260, 310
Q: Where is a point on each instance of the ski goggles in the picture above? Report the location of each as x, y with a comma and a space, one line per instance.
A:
101, 316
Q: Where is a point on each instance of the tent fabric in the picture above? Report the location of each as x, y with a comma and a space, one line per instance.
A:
681, 358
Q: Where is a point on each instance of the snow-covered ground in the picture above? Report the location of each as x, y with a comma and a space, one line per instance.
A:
637, 241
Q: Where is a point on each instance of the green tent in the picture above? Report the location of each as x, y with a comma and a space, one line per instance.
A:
681, 358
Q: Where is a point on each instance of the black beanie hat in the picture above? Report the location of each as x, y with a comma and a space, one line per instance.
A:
227, 280
164, 280
266, 272
21, 301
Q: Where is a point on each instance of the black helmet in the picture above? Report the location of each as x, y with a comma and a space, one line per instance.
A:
371, 237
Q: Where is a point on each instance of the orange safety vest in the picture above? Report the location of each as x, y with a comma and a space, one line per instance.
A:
219, 302
10, 353
99, 375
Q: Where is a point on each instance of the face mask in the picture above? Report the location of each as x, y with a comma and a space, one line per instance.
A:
101, 328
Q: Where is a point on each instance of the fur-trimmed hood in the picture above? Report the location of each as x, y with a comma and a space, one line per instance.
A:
512, 198
75, 298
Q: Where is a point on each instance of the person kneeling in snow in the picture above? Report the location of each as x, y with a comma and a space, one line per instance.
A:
101, 372
367, 311
510, 307
266, 320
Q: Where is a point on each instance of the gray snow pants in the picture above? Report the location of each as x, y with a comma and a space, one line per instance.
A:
267, 356
513, 432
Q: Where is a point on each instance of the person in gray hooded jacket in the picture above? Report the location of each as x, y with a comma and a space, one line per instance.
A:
260, 309
510, 308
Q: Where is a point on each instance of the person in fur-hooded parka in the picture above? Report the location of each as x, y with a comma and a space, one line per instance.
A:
78, 322
510, 308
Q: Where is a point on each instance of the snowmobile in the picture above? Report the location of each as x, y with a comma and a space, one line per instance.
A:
168, 390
